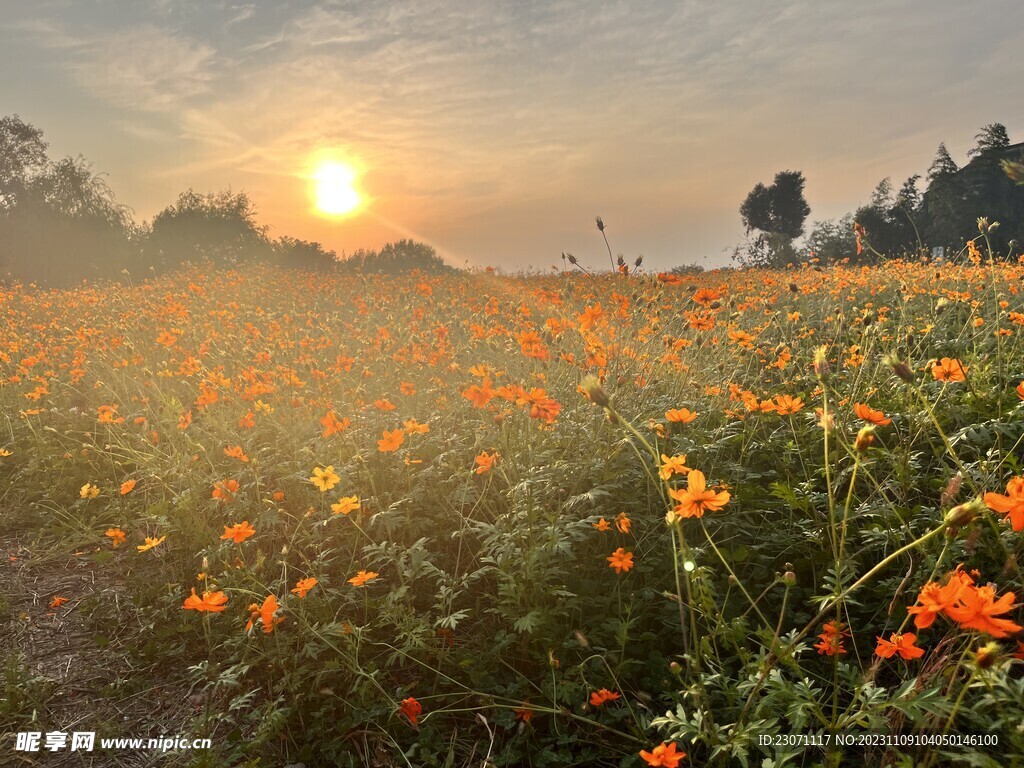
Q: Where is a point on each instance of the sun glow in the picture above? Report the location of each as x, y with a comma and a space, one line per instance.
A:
334, 189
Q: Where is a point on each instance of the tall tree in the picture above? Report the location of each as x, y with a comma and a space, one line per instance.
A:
942, 165
777, 213
992, 138
22, 158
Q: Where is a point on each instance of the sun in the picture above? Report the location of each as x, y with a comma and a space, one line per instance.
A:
334, 189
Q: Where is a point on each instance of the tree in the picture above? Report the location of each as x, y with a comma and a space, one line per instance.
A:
218, 226
399, 257
832, 241
942, 166
59, 221
22, 158
777, 213
303, 254
992, 138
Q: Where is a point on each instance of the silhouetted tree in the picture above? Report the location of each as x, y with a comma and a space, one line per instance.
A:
831, 241
399, 257
59, 221
955, 198
303, 254
992, 138
22, 158
219, 226
778, 214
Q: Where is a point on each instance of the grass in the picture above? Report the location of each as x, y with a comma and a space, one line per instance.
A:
496, 484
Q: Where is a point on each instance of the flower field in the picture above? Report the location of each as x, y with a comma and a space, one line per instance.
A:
546, 521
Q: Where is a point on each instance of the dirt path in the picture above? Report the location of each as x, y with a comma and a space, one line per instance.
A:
64, 671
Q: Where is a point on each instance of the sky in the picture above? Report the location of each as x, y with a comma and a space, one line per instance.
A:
495, 130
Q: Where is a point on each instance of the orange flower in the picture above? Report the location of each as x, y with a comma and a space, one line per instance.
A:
185, 420
901, 643
978, 609
785, 405
265, 613
128, 486
1010, 505
620, 560
150, 543
479, 396
239, 532
664, 755
602, 525
949, 369
107, 414
345, 505
870, 415
411, 708
697, 499
248, 421
302, 586
485, 462
672, 465
332, 425
225, 490
384, 405
413, 427
831, 638
933, 599
213, 602
523, 712
623, 523
362, 577
1020, 390
58, 601
391, 441
680, 415
603, 696
236, 452
117, 537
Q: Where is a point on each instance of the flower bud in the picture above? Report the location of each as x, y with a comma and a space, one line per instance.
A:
900, 368
987, 655
789, 579
865, 438
600, 223
821, 367
962, 514
594, 392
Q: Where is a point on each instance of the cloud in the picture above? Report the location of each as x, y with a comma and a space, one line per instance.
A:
144, 67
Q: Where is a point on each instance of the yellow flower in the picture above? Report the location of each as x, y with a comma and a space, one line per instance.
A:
345, 505
150, 543
324, 478
89, 491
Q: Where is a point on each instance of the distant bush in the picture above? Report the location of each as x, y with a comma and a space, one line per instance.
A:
396, 258
303, 254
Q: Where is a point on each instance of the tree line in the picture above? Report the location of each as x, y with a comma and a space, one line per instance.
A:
939, 210
60, 223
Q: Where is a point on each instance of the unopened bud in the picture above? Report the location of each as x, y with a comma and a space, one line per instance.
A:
987, 655
594, 392
900, 368
821, 367
865, 438
600, 223
962, 514
789, 579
